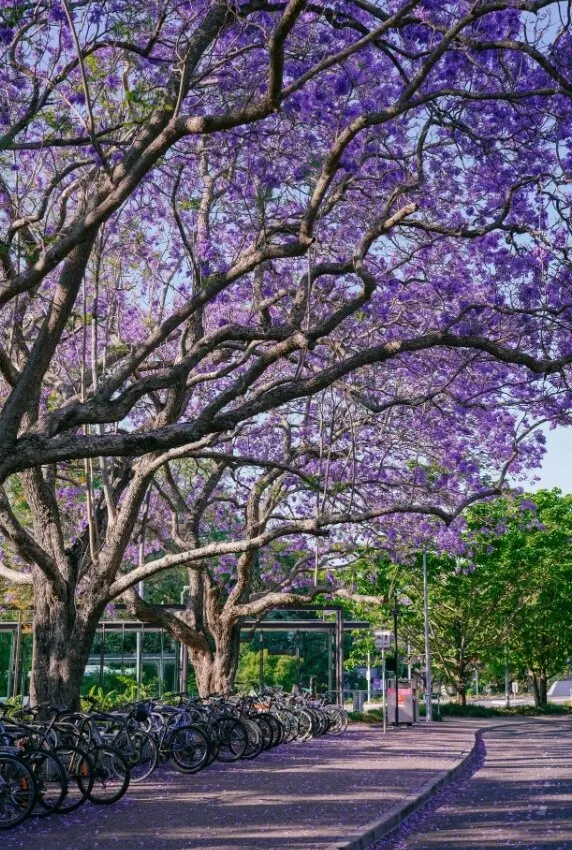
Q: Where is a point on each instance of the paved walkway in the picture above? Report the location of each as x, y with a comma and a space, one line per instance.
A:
521, 797
299, 797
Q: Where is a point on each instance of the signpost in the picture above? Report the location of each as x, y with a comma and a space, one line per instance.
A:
383, 640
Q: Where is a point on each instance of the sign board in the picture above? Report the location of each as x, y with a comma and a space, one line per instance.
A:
383, 638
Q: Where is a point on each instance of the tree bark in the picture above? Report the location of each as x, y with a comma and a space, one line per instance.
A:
543, 681
212, 640
216, 671
536, 689
63, 636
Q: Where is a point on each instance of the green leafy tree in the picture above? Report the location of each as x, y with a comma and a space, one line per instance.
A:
533, 551
509, 598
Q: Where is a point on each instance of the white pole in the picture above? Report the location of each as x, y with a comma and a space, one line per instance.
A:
139, 644
383, 691
184, 654
369, 676
506, 680
428, 682
409, 659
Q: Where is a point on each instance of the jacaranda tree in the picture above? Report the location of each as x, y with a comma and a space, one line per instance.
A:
349, 478
212, 210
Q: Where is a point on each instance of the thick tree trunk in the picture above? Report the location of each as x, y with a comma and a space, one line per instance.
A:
61, 646
540, 687
216, 671
461, 689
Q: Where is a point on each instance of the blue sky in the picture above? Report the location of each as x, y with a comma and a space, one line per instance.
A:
556, 469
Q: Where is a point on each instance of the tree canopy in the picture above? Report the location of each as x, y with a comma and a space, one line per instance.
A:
506, 601
220, 218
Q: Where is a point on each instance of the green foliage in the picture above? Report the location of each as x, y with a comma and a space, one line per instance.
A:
373, 716
278, 669
14, 702
166, 586
511, 595
117, 689
355, 681
452, 709
533, 557
5, 640
313, 655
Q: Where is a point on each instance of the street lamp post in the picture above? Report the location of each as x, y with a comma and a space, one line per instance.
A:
184, 653
139, 645
396, 662
428, 682
368, 676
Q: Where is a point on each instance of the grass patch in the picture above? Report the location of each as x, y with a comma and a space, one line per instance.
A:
451, 709
373, 716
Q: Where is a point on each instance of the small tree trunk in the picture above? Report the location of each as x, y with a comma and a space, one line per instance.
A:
216, 671
536, 689
61, 644
543, 688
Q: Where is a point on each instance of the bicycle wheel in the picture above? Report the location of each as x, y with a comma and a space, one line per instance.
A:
232, 738
79, 772
304, 732
277, 729
17, 791
212, 740
141, 752
189, 749
289, 722
255, 741
322, 722
111, 775
338, 719
51, 781
316, 721
265, 730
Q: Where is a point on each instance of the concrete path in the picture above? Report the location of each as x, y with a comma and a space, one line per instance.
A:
299, 797
521, 797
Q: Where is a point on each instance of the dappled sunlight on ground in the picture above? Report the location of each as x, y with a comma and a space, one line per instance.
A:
298, 797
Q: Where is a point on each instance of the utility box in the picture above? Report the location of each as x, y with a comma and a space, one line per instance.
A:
358, 700
407, 701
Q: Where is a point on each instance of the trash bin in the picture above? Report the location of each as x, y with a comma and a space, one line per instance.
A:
407, 702
358, 700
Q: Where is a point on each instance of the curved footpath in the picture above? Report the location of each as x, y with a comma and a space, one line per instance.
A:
520, 795
300, 797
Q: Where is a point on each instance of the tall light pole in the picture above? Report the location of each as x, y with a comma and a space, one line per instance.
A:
368, 676
139, 644
428, 682
184, 653
506, 680
396, 662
